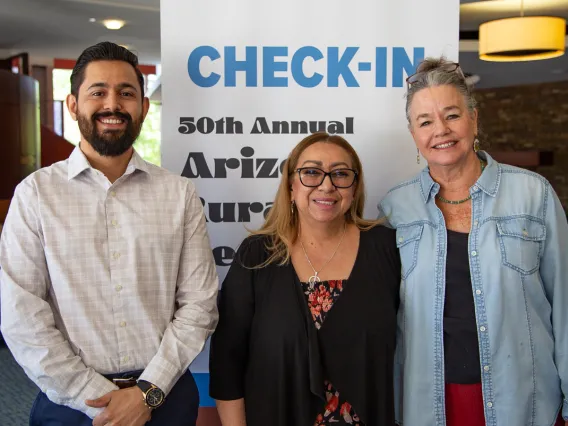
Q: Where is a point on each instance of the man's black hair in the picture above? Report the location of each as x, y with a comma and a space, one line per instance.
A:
104, 51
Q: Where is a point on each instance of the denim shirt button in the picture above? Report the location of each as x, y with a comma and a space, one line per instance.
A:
486, 368
490, 404
478, 292
482, 328
476, 222
474, 253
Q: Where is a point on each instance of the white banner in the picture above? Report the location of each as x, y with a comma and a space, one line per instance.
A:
245, 81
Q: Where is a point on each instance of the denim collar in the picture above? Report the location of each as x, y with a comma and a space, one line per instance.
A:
488, 182
78, 163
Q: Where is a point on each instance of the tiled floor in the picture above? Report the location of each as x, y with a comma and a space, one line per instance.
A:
18, 392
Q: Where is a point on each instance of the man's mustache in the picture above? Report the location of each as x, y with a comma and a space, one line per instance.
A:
123, 116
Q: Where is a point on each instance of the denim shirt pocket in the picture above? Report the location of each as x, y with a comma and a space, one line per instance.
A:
407, 239
521, 240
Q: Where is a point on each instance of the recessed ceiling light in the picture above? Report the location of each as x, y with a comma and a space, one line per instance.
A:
113, 24
92, 20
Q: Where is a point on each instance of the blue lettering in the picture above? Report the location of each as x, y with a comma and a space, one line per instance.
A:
249, 66
381, 67
298, 66
401, 63
337, 67
193, 66
270, 66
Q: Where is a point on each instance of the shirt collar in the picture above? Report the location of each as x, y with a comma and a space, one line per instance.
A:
488, 182
78, 163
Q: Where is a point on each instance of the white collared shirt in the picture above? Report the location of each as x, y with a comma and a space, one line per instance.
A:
99, 278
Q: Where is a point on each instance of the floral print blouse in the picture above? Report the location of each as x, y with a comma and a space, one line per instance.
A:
320, 298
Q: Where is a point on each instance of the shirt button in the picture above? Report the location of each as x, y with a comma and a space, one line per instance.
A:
118, 287
489, 404
486, 368
473, 253
474, 188
400, 240
114, 222
116, 255
525, 233
482, 328
478, 292
112, 193
475, 222
123, 323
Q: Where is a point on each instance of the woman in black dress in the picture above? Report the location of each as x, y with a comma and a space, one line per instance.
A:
307, 325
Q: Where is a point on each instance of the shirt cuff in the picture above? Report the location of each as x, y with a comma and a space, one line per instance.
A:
160, 372
96, 387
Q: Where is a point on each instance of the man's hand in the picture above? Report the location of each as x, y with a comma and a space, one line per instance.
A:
124, 407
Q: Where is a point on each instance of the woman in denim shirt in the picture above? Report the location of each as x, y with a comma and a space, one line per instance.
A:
483, 321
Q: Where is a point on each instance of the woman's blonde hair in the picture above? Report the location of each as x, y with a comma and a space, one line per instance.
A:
282, 225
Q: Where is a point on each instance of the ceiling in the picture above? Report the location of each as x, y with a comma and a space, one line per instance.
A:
61, 28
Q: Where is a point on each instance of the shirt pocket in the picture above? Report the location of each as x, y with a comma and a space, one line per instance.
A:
407, 240
521, 241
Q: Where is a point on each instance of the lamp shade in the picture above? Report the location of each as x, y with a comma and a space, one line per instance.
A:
526, 38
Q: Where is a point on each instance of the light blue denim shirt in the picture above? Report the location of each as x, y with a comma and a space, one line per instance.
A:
518, 257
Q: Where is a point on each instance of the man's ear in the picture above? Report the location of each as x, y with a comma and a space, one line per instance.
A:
145, 107
71, 102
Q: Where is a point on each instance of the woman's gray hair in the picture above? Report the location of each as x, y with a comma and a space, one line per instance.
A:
433, 72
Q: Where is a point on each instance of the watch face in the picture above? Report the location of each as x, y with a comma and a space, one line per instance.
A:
154, 397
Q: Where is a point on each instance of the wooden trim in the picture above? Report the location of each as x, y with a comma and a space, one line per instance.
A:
518, 158
4, 204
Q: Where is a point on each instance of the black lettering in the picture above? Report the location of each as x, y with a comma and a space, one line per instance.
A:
233, 126
280, 128
223, 254
201, 168
247, 163
349, 125
299, 127
335, 127
205, 125
186, 125
266, 168
227, 215
260, 126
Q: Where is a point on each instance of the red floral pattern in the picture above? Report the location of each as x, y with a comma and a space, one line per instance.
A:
321, 298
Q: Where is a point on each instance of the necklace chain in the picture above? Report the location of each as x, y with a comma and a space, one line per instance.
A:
314, 278
444, 200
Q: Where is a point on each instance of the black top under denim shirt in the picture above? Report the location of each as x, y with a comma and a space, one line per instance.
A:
461, 346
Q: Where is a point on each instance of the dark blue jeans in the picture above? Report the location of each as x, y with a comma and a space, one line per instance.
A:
179, 409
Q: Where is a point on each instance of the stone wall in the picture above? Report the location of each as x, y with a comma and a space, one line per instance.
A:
529, 118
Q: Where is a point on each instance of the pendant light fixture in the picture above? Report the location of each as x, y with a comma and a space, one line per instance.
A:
524, 38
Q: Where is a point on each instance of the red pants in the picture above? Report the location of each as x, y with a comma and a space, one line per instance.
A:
464, 406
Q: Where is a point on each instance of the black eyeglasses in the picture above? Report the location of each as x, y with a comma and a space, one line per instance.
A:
313, 177
448, 67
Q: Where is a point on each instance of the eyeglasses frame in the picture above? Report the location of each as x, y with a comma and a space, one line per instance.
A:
326, 174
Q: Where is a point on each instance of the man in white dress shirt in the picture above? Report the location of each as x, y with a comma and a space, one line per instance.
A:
108, 283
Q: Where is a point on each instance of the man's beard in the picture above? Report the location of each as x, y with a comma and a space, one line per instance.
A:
110, 143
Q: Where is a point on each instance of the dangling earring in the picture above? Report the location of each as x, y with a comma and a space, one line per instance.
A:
476, 144
292, 205
417, 156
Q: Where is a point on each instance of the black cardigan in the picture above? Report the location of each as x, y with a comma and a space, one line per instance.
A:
267, 350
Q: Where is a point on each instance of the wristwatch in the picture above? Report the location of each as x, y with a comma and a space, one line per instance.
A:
153, 395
